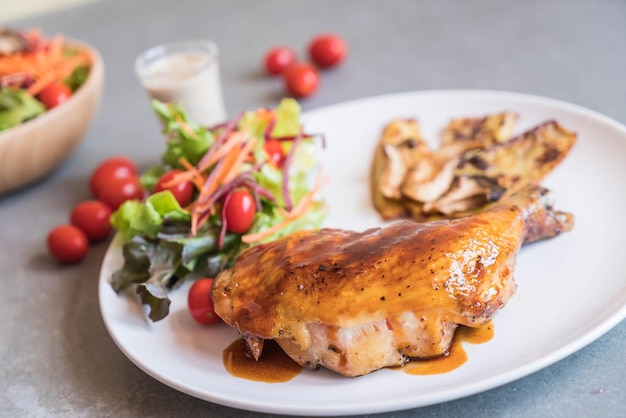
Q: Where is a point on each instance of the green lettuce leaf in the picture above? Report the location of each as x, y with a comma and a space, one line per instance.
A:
151, 176
17, 106
270, 216
135, 218
78, 77
181, 144
151, 267
287, 118
253, 124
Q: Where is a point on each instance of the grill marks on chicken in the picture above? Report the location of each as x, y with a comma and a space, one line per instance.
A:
355, 302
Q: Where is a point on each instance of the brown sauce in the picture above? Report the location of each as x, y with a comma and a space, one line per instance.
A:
456, 355
275, 366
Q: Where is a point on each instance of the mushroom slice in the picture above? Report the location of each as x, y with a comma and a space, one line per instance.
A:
394, 172
526, 158
400, 148
415, 186
478, 162
431, 177
466, 195
480, 131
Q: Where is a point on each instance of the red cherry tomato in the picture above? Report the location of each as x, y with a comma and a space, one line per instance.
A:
327, 50
54, 94
301, 79
182, 191
119, 190
275, 151
109, 169
239, 210
67, 244
200, 303
277, 59
93, 218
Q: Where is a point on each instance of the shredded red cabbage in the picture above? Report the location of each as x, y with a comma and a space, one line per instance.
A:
219, 140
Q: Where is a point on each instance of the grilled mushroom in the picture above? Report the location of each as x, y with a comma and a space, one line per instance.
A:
480, 131
526, 158
400, 148
428, 181
466, 194
478, 163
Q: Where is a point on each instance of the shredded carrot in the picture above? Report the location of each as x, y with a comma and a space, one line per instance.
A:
194, 175
225, 171
303, 206
45, 63
56, 45
184, 126
241, 157
62, 71
235, 138
267, 114
219, 171
194, 223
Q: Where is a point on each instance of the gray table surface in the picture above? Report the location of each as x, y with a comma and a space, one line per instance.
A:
56, 357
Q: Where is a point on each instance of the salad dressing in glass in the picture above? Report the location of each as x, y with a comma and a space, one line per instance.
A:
185, 73
275, 366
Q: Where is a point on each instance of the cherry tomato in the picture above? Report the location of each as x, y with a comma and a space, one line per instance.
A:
277, 59
182, 191
301, 79
275, 151
54, 94
239, 210
327, 50
200, 303
109, 169
92, 217
119, 190
67, 244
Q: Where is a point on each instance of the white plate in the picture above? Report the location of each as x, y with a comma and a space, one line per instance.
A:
572, 289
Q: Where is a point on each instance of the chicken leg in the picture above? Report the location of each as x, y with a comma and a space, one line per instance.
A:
355, 302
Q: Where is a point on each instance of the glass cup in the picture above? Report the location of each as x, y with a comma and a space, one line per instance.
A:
185, 73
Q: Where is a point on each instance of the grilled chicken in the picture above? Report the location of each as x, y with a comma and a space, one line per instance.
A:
355, 302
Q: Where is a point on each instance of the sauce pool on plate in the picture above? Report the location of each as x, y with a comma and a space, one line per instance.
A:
275, 366
456, 355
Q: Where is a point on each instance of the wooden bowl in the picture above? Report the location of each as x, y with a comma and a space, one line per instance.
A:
31, 150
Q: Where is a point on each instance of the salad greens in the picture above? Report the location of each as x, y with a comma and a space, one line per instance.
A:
165, 244
17, 106
34, 69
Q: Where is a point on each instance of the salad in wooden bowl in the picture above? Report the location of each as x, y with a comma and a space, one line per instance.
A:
50, 89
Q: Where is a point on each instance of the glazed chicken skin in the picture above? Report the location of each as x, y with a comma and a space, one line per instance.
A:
355, 302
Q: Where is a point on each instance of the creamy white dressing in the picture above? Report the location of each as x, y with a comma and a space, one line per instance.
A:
186, 76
